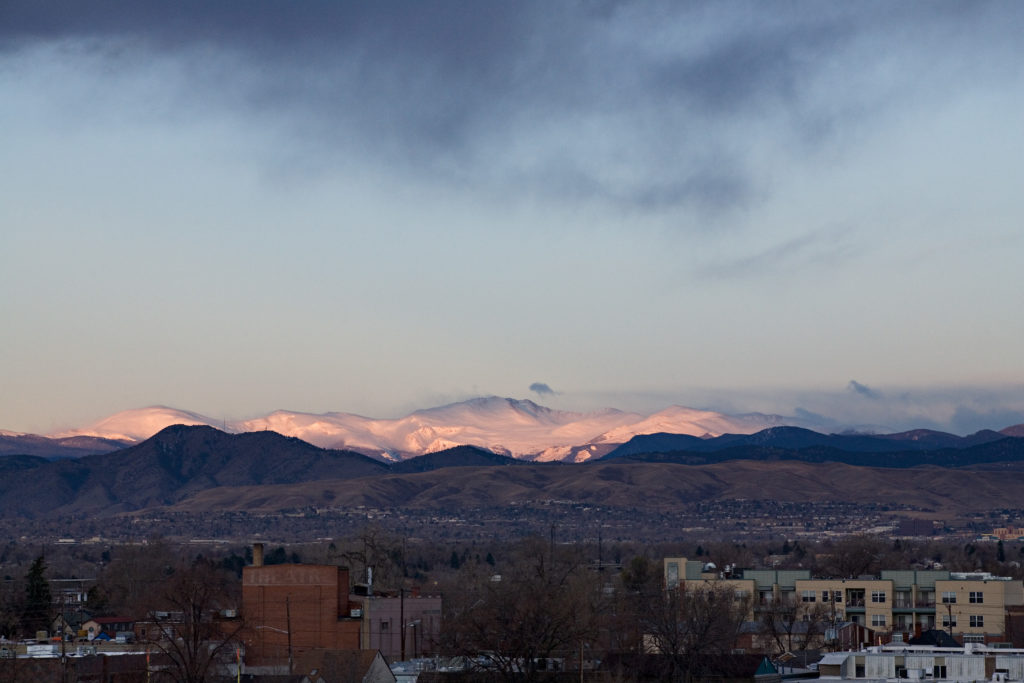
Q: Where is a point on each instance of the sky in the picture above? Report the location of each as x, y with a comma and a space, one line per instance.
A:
804, 208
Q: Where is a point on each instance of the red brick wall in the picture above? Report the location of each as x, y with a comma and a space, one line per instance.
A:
308, 600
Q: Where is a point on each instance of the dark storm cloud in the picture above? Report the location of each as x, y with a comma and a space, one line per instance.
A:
541, 389
636, 105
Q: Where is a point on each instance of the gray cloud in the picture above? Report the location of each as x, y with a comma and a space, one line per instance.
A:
541, 389
822, 248
967, 420
635, 105
862, 390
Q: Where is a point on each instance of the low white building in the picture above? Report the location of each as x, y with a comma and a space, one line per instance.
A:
898, 662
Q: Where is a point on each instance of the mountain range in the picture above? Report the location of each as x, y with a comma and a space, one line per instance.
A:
517, 428
200, 469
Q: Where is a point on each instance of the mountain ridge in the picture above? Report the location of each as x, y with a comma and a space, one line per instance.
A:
518, 428
515, 427
183, 464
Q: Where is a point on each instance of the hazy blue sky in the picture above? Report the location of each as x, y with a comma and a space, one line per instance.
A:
238, 206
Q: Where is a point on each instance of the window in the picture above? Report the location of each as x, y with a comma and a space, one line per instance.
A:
741, 594
878, 620
837, 596
672, 574
939, 671
383, 625
976, 597
977, 620
807, 596
824, 595
877, 596
948, 597
948, 620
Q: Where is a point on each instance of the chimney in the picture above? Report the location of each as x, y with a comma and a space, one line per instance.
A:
257, 554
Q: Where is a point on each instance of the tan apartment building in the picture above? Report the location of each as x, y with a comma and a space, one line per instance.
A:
897, 605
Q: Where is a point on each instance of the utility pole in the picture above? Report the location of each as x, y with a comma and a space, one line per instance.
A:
288, 617
401, 617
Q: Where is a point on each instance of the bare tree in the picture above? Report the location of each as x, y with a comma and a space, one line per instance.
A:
377, 549
690, 624
187, 628
855, 556
134, 576
793, 626
547, 607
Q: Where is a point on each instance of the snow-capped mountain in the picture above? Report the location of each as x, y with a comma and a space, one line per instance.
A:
139, 424
519, 428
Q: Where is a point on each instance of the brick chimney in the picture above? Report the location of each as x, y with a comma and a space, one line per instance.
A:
257, 554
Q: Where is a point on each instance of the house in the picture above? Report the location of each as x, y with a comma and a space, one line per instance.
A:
108, 626
343, 666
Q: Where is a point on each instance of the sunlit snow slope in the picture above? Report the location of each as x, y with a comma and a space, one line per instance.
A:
519, 428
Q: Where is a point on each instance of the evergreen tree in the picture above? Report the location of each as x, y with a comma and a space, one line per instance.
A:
36, 616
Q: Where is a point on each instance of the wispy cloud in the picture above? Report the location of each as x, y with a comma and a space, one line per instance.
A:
824, 248
862, 390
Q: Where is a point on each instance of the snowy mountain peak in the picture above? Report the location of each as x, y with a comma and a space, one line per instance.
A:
516, 427
141, 423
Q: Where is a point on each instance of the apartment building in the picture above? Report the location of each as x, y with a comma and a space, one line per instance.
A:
897, 605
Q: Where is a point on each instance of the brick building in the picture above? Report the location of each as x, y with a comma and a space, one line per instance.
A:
401, 626
290, 609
